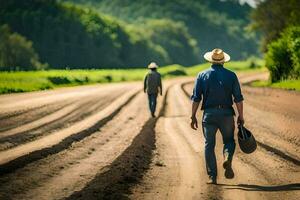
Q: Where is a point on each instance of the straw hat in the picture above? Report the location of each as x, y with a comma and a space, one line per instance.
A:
217, 56
152, 65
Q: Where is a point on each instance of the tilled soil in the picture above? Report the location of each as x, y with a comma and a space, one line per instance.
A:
272, 172
99, 142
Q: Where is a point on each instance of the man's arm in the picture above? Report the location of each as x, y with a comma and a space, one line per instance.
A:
196, 98
238, 100
160, 86
145, 83
194, 123
239, 106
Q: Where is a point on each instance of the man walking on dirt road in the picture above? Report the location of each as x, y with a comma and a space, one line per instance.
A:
152, 85
217, 87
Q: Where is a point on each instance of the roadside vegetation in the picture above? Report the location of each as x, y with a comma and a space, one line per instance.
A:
279, 22
26, 81
285, 84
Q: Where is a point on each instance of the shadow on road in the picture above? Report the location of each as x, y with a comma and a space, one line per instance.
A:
279, 153
266, 188
125, 171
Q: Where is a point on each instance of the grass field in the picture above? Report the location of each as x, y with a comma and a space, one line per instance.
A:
12, 82
287, 84
236, 66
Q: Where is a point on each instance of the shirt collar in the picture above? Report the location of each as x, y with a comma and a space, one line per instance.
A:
216, 65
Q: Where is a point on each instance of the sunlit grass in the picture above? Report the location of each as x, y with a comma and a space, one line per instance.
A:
40, 80
286, 84
236, 66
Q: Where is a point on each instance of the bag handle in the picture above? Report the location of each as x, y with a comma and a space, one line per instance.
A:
244, 135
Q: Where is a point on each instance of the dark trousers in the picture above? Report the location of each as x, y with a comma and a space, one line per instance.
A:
210, 124
152, 102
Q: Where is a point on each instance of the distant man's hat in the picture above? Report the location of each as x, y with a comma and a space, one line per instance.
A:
217, 56
152, 65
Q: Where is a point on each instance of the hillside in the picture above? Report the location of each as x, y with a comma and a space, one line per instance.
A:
72, 36
126, 33
212, 23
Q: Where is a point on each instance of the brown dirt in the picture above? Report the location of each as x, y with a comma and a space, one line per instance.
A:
58, 119
272, 172
112, 149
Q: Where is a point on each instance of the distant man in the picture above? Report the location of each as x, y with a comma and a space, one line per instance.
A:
217, 87
152, 86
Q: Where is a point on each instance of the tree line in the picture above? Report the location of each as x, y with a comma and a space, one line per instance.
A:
75, 35
279, 23
65, 35
211, 23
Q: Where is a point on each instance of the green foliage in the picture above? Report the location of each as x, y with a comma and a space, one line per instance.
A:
271, 17
237, 66
71, 36
283, 56
58, 80
211, 23
174, 38
16, 52
285, 84
279, 21
177, 72
141, 50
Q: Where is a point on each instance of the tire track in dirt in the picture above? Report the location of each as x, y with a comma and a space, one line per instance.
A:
15, 113
20, 156
22, 118
38, 113
276, 131
59, 120
21, 109
14, 103
41, 122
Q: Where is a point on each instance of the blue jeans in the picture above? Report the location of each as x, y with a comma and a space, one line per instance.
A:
152, 102
210, 124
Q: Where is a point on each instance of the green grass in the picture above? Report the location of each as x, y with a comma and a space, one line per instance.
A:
11, 82
237, 66
286, 84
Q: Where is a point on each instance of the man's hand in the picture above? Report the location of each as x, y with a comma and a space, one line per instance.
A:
240, 120
194, 123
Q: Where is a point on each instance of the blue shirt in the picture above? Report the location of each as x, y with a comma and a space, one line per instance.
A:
217, 86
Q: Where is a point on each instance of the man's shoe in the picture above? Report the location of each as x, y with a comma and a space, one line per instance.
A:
212, 180
229, 174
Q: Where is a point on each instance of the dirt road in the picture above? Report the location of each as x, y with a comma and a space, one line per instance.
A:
99, 142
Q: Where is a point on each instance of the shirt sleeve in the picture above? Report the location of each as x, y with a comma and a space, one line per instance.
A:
160, 84
197, 91
236, 90
145, 82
